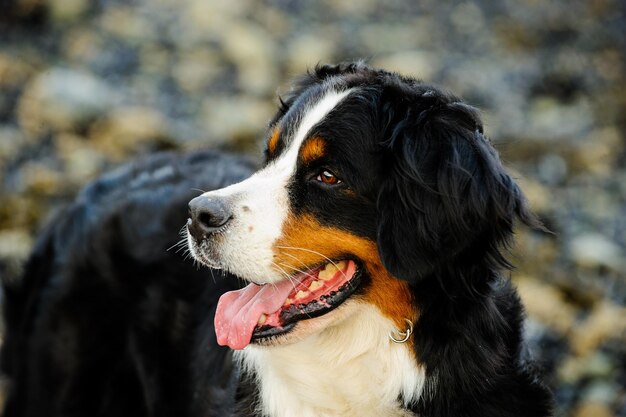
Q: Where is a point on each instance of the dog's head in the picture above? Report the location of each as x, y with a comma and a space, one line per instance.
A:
372, 183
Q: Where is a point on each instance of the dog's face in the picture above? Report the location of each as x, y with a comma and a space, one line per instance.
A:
372, 182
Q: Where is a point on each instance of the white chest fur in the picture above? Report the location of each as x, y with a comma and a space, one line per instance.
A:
350, 369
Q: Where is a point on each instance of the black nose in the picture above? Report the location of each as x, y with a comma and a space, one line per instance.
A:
206, 215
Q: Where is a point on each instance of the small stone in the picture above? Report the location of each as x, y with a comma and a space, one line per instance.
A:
419, 64
214, 16
538, 195
11, 141
600, 391
593, 250
13, 71
551, 119
468, 18
154, 61
195, 69
380, 38
126, 23
595, 365
599, 153
83, 44
127, 130
606, 321
19, 211
352, 9
571, 370
41, 180
546, 304
62, 100
235, 117
81, 162
552, 169
281, 22
64, 11
308, 49
15, 246
254, 53
593, 409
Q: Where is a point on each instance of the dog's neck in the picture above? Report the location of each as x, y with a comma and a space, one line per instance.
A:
350, 369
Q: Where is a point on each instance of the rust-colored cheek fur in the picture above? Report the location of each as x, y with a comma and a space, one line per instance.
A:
303, 242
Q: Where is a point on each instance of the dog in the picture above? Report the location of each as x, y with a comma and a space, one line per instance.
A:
358, 272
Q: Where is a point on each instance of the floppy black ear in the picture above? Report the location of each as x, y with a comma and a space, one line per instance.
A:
446, 199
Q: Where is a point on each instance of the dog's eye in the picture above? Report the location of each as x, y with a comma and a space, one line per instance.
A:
328, 177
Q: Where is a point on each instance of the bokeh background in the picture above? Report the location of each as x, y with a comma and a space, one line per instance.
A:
88, 84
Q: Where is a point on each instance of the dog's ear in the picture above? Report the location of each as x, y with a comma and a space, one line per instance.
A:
446, 199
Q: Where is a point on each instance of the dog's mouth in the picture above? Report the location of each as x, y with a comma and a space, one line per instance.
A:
257, 312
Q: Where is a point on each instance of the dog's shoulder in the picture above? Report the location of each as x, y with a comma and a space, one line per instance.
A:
112, 298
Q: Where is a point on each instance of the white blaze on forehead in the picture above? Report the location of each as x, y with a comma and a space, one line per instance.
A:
310, 118
247, 249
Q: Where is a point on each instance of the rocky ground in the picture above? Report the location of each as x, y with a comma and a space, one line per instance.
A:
88, 84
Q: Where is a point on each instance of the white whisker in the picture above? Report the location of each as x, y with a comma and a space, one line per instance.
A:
297, 259
179, 243
297, 270
317, 253
286, 274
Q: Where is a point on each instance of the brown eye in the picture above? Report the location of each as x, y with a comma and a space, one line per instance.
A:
328, 177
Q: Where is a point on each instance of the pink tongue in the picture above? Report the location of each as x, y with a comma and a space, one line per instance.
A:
238, 311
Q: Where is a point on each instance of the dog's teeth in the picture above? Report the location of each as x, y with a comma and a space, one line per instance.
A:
262, 319
288, 301
315, 285
341, 265
301, 294
328, 272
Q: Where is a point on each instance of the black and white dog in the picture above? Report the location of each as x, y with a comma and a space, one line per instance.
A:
357, 273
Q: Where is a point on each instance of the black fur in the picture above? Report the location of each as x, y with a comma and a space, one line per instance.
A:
107, 322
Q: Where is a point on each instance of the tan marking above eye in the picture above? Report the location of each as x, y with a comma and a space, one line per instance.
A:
305, 242
272, 143
314, 148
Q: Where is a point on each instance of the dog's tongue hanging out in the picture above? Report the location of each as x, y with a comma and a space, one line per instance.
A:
239, 312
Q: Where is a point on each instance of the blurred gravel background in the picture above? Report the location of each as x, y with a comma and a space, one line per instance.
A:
88, 84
